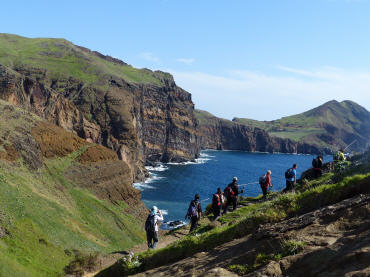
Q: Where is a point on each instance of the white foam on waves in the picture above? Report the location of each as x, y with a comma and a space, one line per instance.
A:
145, 185
159, 167
201, 160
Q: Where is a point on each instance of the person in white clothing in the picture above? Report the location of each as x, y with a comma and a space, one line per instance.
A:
151, 226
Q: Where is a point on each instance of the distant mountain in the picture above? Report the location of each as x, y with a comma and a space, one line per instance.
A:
331, 125
223, 134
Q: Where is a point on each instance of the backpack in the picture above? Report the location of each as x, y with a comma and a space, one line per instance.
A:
229, 192
193, 209
216, 201
289, 173
262, 180
150, 223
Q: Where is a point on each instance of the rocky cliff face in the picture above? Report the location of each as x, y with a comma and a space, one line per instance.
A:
221, 134
147, 119
24, 135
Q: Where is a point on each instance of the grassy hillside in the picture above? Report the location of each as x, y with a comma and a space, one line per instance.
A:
44, 216
327, 190
333, 124
62, 59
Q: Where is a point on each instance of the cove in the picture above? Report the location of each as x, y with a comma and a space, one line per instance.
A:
172, 186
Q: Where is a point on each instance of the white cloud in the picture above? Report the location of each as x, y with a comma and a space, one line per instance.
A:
187, 61
243, 93
148, 56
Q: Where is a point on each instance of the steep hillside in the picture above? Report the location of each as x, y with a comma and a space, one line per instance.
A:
60, 195
222, 134
333, 125
140, 114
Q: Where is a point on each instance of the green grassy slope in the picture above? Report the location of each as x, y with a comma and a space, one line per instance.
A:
315, 125
61, 58
44, 216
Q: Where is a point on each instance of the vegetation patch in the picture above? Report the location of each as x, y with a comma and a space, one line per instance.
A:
81, 263
44, 213
55, 141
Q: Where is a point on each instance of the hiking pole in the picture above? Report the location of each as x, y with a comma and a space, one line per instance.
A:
204, 200
350, 144
248, 184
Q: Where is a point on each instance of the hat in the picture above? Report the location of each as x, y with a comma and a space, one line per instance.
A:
235, 179
154, 209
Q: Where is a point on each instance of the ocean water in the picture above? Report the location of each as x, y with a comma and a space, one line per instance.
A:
172, 186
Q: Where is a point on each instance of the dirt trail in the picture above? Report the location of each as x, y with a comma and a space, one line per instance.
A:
337, 239
165, 239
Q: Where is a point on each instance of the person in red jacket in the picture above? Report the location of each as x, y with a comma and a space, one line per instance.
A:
265, 182
217, 203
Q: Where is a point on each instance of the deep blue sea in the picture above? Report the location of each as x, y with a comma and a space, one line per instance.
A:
173, 186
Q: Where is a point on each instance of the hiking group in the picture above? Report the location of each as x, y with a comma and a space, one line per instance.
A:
223, 200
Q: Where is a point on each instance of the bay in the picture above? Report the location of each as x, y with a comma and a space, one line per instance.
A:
173, 186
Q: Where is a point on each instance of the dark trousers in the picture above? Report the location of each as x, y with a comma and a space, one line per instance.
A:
264, 191
194, 223
231, 201
152, 237
317, 172
289, 185
216, 212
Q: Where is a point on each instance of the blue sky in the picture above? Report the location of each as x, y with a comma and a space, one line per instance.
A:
257, 59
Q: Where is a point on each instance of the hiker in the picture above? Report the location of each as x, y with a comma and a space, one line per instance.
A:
217, 203
291, 178
339, 156
265, 182
317, 166
151, 226
194, 212
231, 193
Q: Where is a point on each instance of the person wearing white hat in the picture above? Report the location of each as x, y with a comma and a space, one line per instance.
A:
151, 226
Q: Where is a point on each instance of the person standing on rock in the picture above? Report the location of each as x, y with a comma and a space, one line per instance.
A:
217, 203
265, 183
194, 212
231, 193
151, 226
291, 178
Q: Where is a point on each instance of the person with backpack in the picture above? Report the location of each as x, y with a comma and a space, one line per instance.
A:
194, 212
339, 156
291, 177
217, 203
151, 226
317, 166
265, 183
231, 193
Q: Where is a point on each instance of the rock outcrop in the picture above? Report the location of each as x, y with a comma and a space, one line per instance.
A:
26, 136
140, 114
222, 134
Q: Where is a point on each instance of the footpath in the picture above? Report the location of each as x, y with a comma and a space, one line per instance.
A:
165, 238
